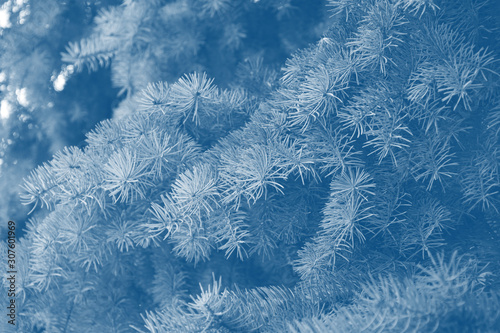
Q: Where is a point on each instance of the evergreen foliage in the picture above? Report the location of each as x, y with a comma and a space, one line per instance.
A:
359, 192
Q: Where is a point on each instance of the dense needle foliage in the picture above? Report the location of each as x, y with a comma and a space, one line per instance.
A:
356, 190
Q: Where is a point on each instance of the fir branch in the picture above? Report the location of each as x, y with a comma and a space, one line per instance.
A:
91, 52
125, 178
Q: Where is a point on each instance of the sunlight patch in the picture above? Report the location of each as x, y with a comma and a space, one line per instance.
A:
5, 109
22, 98
5, 18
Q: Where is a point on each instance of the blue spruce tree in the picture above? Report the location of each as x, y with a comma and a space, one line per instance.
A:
354, 190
